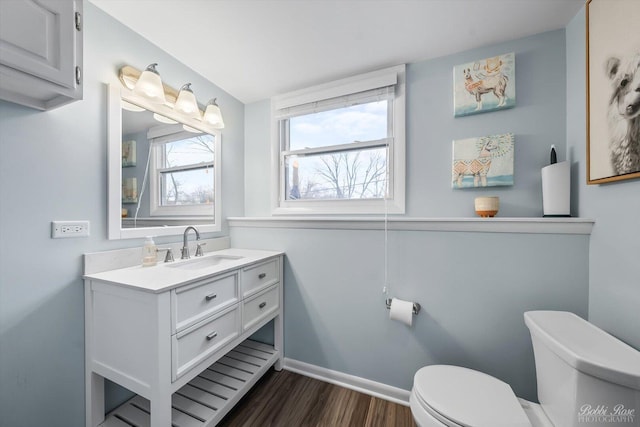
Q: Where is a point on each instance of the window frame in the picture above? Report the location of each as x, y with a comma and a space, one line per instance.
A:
395, 143
156, 167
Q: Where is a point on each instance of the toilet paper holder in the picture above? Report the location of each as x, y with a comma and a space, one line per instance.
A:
416, 306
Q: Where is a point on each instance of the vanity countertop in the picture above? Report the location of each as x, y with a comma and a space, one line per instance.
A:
165, 276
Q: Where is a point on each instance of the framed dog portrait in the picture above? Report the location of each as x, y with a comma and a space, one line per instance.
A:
484, 85
613, 90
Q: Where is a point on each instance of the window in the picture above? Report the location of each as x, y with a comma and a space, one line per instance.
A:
340, 146
183, 173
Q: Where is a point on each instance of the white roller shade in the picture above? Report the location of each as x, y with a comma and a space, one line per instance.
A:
369, 87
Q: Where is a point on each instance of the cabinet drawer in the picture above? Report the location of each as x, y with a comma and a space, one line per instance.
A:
195, 302
260, 276
260, 307
202, 340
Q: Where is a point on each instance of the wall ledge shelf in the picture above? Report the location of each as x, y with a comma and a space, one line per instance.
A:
476, 225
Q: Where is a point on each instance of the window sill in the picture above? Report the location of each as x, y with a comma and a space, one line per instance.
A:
478, 225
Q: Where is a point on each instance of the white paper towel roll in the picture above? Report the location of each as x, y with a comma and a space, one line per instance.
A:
401, 311
556, 189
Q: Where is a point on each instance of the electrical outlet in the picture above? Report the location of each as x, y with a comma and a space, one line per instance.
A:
64, 229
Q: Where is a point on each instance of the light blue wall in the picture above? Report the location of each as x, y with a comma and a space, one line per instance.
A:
538, 120
474, 287
614, 271
53, 167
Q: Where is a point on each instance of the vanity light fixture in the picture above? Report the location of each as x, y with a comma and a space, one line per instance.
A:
149, 85
190, 129
186, 102
213, 115
131, 107
176, 106
162, 119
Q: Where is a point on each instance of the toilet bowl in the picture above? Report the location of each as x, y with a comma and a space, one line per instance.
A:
577, 364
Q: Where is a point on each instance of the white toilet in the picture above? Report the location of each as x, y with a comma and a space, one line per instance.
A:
585, 377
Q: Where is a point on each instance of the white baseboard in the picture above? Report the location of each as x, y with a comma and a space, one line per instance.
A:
362, 385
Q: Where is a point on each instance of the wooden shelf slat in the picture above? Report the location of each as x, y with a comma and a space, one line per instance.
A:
202, 397
191, 407
114, 422
246, 358
213, 388
225, 380
231, 372
133, 415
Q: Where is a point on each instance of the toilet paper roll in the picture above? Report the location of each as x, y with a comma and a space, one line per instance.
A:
401, 311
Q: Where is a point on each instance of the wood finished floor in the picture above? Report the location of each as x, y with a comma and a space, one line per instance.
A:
292, 400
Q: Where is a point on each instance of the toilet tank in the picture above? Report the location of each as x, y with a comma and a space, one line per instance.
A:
585, 376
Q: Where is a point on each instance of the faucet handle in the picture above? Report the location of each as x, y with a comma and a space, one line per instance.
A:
199, 251
169, 256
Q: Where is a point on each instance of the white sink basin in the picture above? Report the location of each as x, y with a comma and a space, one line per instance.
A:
204, 262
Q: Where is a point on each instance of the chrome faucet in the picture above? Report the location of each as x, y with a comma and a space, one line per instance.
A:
185, 246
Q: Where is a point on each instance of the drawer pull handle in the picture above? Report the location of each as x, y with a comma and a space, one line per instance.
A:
210, 297
262, 304
262, 275
211, 336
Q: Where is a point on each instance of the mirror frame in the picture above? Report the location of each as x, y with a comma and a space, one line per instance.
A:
114, 169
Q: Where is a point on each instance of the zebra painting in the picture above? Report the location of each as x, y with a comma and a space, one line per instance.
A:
483, 162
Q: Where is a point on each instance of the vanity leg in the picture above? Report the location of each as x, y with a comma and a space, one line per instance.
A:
278, 322
278, 341
161, 410
94, 399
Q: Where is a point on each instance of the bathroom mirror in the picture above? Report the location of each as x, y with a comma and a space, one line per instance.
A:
163, 169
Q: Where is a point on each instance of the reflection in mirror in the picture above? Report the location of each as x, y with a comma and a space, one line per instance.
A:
167, 173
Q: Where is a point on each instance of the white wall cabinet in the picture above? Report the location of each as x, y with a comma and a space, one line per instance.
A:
178, 339
41, 52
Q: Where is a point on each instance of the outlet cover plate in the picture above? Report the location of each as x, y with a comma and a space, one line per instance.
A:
66, 229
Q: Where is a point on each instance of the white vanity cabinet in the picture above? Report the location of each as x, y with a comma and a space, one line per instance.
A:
41, 52
178, 338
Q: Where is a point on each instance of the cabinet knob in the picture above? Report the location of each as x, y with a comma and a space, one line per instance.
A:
211, 336
262, 305
262, 275
210, 297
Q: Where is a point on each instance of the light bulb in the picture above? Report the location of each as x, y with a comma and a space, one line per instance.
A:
126, 105
149, 85
213, 115
163, 119
190, 129
186, 103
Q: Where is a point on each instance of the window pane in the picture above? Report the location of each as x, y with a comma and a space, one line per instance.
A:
190, 187
365, 122
194, 150
359, 174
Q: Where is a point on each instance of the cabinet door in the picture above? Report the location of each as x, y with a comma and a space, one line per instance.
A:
38, 37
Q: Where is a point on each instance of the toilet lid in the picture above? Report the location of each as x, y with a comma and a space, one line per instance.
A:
469, 398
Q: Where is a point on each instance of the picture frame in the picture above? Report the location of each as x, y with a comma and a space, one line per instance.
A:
129, 190
613, 103
128, 153
486, 161
484, 85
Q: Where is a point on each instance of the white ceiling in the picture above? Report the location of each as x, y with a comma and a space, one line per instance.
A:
254, 49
